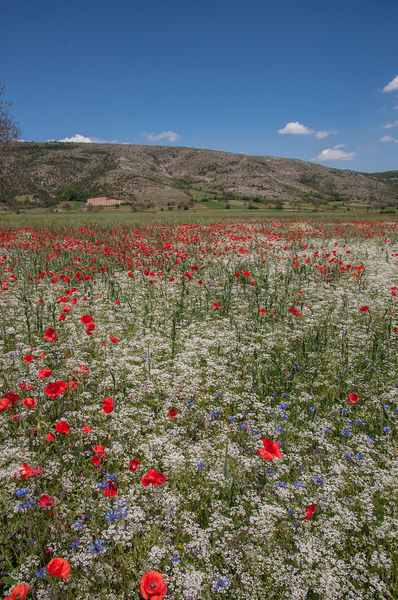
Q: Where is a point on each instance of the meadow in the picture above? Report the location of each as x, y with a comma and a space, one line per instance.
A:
213, 401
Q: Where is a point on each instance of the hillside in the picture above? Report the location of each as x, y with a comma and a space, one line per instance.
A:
157, 175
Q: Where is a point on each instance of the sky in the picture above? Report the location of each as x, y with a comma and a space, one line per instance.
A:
312, 80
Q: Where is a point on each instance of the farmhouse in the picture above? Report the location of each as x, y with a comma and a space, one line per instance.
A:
102, 201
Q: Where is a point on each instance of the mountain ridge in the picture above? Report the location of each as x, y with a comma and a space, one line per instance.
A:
56, 171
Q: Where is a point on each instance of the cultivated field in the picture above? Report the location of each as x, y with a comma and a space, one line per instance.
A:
215, 402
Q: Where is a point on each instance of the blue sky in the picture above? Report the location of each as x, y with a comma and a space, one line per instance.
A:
311, 80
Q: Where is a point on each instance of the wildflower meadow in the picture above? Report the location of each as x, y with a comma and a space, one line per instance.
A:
199, 411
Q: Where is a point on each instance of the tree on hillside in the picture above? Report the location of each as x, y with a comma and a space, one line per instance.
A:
9, 133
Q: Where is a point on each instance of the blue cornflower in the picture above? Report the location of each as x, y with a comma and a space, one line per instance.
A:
290, 511
386, 429
270, 472
318, 480
201, 464
283, 406
218, 393
347, 456
359, 421
220, 584
386, 407
75, 543
359, 456
145, 356
373, 368
345, 432
175, 558
214, 414
312, 408
280, 484
78, 525
232, 418
299, 485
296, 368
284, 417
97, 546
114, 515
279, 429
190, 404
244, 425
21, 492
41, 572
111, 476
344, 410
284, 394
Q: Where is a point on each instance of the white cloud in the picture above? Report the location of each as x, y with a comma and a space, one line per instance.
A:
296, 129
334, 154
396, 107
339, 146
167, 135
392, 86
389, 125
386, 138
320, 135
81, 139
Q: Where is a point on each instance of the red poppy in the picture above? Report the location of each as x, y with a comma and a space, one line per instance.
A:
28, 358
152, 586
46, 501
90, 328
86, 319
113, 338
50, 335
86, 428
27, 472
96, 461
364, 308
13, 398
73, 383
67, 308
43, 373
29, 402
100, 450
62, 427
262, 311
19, 592
83, 369
173, 412
55, 389
295, 312
309, 511
171, 278
50, 437
4, 404
58, 567
154, 478
270, 451
200, 282
107, 405
61, 317
118, 301
111, 489
216, 305
16, 417
352, 398
135, 465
